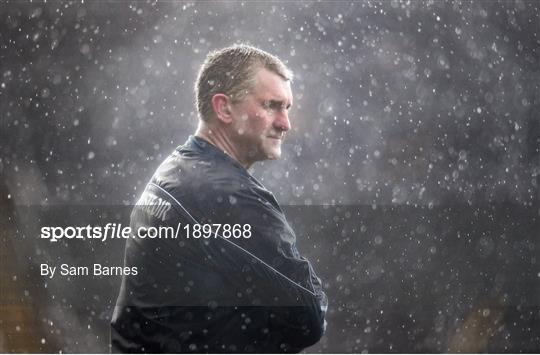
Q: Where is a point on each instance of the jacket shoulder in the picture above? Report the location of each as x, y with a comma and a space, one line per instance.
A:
200, 180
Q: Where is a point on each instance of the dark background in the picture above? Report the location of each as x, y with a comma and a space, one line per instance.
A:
417, 122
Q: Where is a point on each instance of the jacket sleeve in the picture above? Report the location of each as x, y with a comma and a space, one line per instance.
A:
223, 294
265, 272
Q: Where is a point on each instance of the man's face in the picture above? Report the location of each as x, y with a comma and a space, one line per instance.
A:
261, 119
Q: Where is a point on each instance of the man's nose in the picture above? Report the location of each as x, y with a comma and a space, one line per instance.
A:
282, 121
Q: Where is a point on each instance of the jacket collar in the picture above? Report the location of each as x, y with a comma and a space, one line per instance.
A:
203, 147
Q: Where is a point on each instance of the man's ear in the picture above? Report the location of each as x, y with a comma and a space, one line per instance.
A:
221, 104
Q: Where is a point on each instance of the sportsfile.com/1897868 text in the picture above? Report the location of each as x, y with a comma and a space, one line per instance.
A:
117, 231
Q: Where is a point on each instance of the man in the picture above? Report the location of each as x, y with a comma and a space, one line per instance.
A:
241, 288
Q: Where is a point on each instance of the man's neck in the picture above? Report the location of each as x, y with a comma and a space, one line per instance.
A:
221, 140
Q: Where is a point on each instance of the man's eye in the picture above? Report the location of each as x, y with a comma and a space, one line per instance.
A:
274, 105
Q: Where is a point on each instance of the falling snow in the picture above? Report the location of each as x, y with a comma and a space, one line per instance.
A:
411, 172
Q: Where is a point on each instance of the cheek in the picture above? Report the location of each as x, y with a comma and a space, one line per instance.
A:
264, 120
244, 117
259, 122
242, 124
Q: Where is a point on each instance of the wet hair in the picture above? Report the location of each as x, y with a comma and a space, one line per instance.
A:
231, 71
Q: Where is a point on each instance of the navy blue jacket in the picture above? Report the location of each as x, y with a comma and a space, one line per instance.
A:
217, 294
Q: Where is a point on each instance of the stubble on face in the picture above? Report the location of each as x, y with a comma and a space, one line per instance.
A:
256, 134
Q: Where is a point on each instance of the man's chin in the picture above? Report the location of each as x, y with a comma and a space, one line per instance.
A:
273, 154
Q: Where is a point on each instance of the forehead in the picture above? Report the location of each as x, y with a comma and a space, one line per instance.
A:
269, 85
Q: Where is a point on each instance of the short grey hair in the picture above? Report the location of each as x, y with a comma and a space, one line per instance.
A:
231, 71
